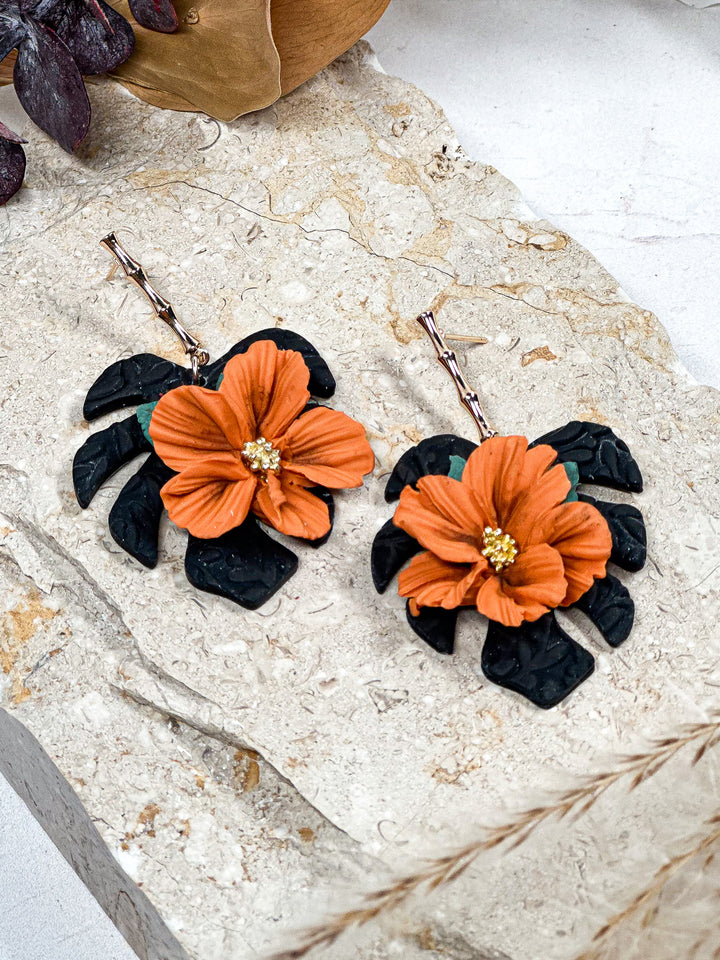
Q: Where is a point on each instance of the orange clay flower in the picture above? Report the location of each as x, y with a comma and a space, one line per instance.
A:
245, 447
502, 538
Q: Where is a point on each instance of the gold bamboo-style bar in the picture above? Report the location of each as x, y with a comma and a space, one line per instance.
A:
447, 359
163, 308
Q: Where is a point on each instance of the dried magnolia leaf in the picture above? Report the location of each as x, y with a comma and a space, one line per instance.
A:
222, 59
6, 68
157, 98
230, 57
310, 34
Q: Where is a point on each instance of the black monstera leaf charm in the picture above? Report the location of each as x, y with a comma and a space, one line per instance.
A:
537, 659
245, 564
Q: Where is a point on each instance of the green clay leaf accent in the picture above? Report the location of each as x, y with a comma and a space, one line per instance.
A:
573, 475
144, 414
457, 465
219, 381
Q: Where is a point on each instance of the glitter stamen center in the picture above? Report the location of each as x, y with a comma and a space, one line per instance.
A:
499, 548
261, 456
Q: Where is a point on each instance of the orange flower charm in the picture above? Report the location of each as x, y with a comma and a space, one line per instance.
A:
503, 538
245, 448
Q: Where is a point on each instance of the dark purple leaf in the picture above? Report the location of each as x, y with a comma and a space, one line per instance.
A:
97, 11
95, 47
12, 167
50, 88
155, 15
12, 30
7, 134
38, 9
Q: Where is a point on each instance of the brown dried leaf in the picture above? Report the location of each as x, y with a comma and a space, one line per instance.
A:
6, 67
157, 98
231, 57
310, 34
222, 60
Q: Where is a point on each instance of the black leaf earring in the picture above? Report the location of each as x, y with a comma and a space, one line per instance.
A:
502, 528
232, 447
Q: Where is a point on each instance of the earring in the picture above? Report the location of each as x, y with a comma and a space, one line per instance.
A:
231, 444
501, 527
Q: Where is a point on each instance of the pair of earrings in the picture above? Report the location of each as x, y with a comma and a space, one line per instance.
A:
499, 527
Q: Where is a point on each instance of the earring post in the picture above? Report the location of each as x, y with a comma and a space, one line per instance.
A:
163, 308
448, 359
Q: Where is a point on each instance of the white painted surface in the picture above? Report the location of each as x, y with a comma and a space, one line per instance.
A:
606, 114
46, 912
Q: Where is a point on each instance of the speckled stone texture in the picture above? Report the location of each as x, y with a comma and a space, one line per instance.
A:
245, 765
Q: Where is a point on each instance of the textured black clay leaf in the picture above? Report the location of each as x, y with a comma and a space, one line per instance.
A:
435, 626
391, 548
430, 456
610, 607
38, 9
155, 15
98, 39
103, 453
322, 382
12, 163
7, 134
601, 456
627, 527
50, 88
135, 516
537, 660
99, 11
139, 379
244, 565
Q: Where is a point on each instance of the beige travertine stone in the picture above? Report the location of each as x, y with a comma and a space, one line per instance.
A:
339, 212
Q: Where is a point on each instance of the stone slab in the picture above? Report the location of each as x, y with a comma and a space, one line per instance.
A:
340, 212
60, 917
31, 786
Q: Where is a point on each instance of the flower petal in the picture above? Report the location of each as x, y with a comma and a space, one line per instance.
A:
581, 535
526, 522
493, 471
327, 447
292, 509
432, 582
495, 604
536, 464
441, 515
211, 498
536, 580
192, 424
268, 386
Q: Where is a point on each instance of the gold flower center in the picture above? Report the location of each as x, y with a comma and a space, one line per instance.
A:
261, 456
499, 548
